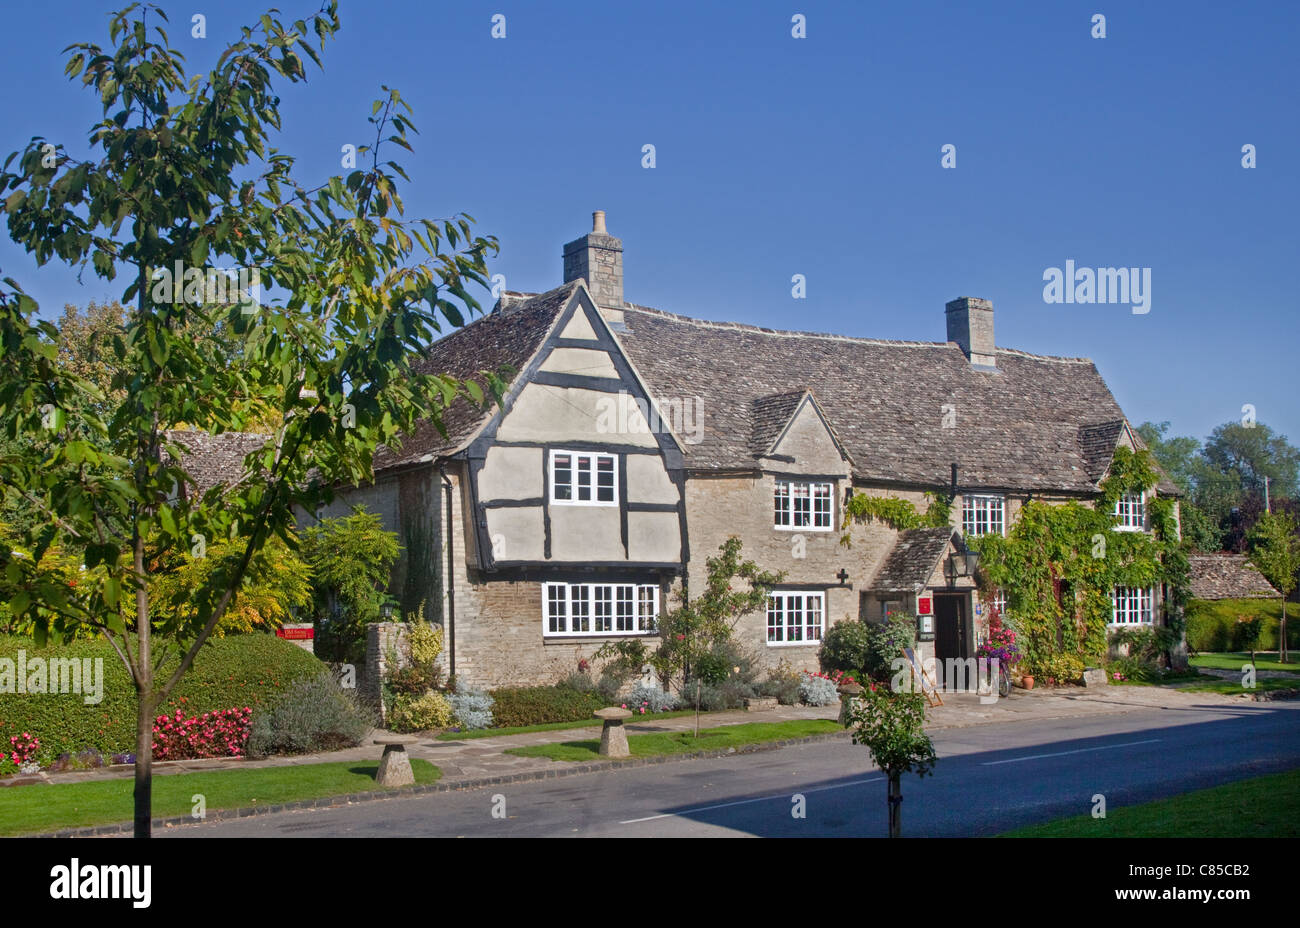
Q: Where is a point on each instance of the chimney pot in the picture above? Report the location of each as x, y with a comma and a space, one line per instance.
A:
597, 258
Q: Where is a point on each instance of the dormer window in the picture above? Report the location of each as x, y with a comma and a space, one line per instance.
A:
582, 478
802, 505
1131, 511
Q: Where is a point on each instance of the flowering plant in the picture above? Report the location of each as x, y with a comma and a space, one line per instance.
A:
1001, 642
23, 748
213, 734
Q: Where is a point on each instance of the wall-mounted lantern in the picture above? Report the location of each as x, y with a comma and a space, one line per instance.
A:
961, 564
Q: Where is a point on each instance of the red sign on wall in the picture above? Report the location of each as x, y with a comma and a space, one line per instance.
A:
923, 605
296, 634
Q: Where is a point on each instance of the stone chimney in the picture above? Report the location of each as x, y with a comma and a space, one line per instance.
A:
598, 259
970, 325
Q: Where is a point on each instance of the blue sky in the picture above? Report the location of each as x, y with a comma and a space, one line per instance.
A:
821, 156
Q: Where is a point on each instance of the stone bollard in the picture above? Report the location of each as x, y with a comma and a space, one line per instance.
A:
613, 736
395, 765
847, 692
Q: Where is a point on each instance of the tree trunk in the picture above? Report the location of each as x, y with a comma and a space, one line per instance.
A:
145, 700
895, 805
1281, 647
144, 764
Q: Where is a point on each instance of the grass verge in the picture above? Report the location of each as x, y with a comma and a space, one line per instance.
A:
1263, 807
1234, 687
1234, 660
554, 726
684, 742
40, 808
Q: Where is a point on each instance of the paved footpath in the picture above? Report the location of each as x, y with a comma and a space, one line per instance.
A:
472, 760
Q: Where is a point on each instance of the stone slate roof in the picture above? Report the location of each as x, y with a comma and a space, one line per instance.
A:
913, 559
769, 415
1227, 576
1017, 428
1037, 423
507, 337
1097, 444
214, 460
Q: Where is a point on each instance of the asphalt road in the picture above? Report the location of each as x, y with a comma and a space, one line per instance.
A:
990, 778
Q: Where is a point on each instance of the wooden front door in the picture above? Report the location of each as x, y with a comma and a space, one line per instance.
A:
950, 638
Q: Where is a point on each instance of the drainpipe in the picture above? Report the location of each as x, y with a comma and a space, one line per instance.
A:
451, 567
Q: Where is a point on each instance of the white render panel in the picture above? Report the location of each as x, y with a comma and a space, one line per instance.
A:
579, 327
585, 533
653, 536
555, 415
648, 480
511, 473
583, 361
516, 533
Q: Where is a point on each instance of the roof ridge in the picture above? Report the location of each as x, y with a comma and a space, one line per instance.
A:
795, 333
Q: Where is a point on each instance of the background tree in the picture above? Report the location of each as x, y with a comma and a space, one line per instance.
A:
350, 559
184, 173
1275, 552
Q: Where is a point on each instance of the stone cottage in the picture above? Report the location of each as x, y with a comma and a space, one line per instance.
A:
632, 442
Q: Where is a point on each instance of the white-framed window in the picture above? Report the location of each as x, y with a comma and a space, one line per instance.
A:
999, 602
584, 478
1131, 511
803, 506
983, 515
795, 617
1131, 605
600, 609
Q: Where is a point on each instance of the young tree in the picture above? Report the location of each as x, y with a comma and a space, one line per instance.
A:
1275, 552
347, 294
890, 725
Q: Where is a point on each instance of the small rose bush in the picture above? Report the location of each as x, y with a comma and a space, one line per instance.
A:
818, 689
22, 751
213, 734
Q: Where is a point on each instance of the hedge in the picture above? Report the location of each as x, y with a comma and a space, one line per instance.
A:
1212, 624
540, 705
235, 671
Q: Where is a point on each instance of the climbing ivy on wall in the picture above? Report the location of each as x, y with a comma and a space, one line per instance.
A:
898, 514
1059, 564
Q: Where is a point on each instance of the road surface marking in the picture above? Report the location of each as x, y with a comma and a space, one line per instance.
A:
742, 802
1104, 747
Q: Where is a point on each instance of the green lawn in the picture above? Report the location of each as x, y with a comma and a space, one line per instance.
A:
40, 808
1264, 807
1234, 687
684, 742
553, 726
1233, 661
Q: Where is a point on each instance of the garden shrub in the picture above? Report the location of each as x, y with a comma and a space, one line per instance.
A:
845, 646
539, 705
783, 683
234, 671
420, 713
645, 699
579, 682
817, 690
472, 708
885, 643
315, 714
